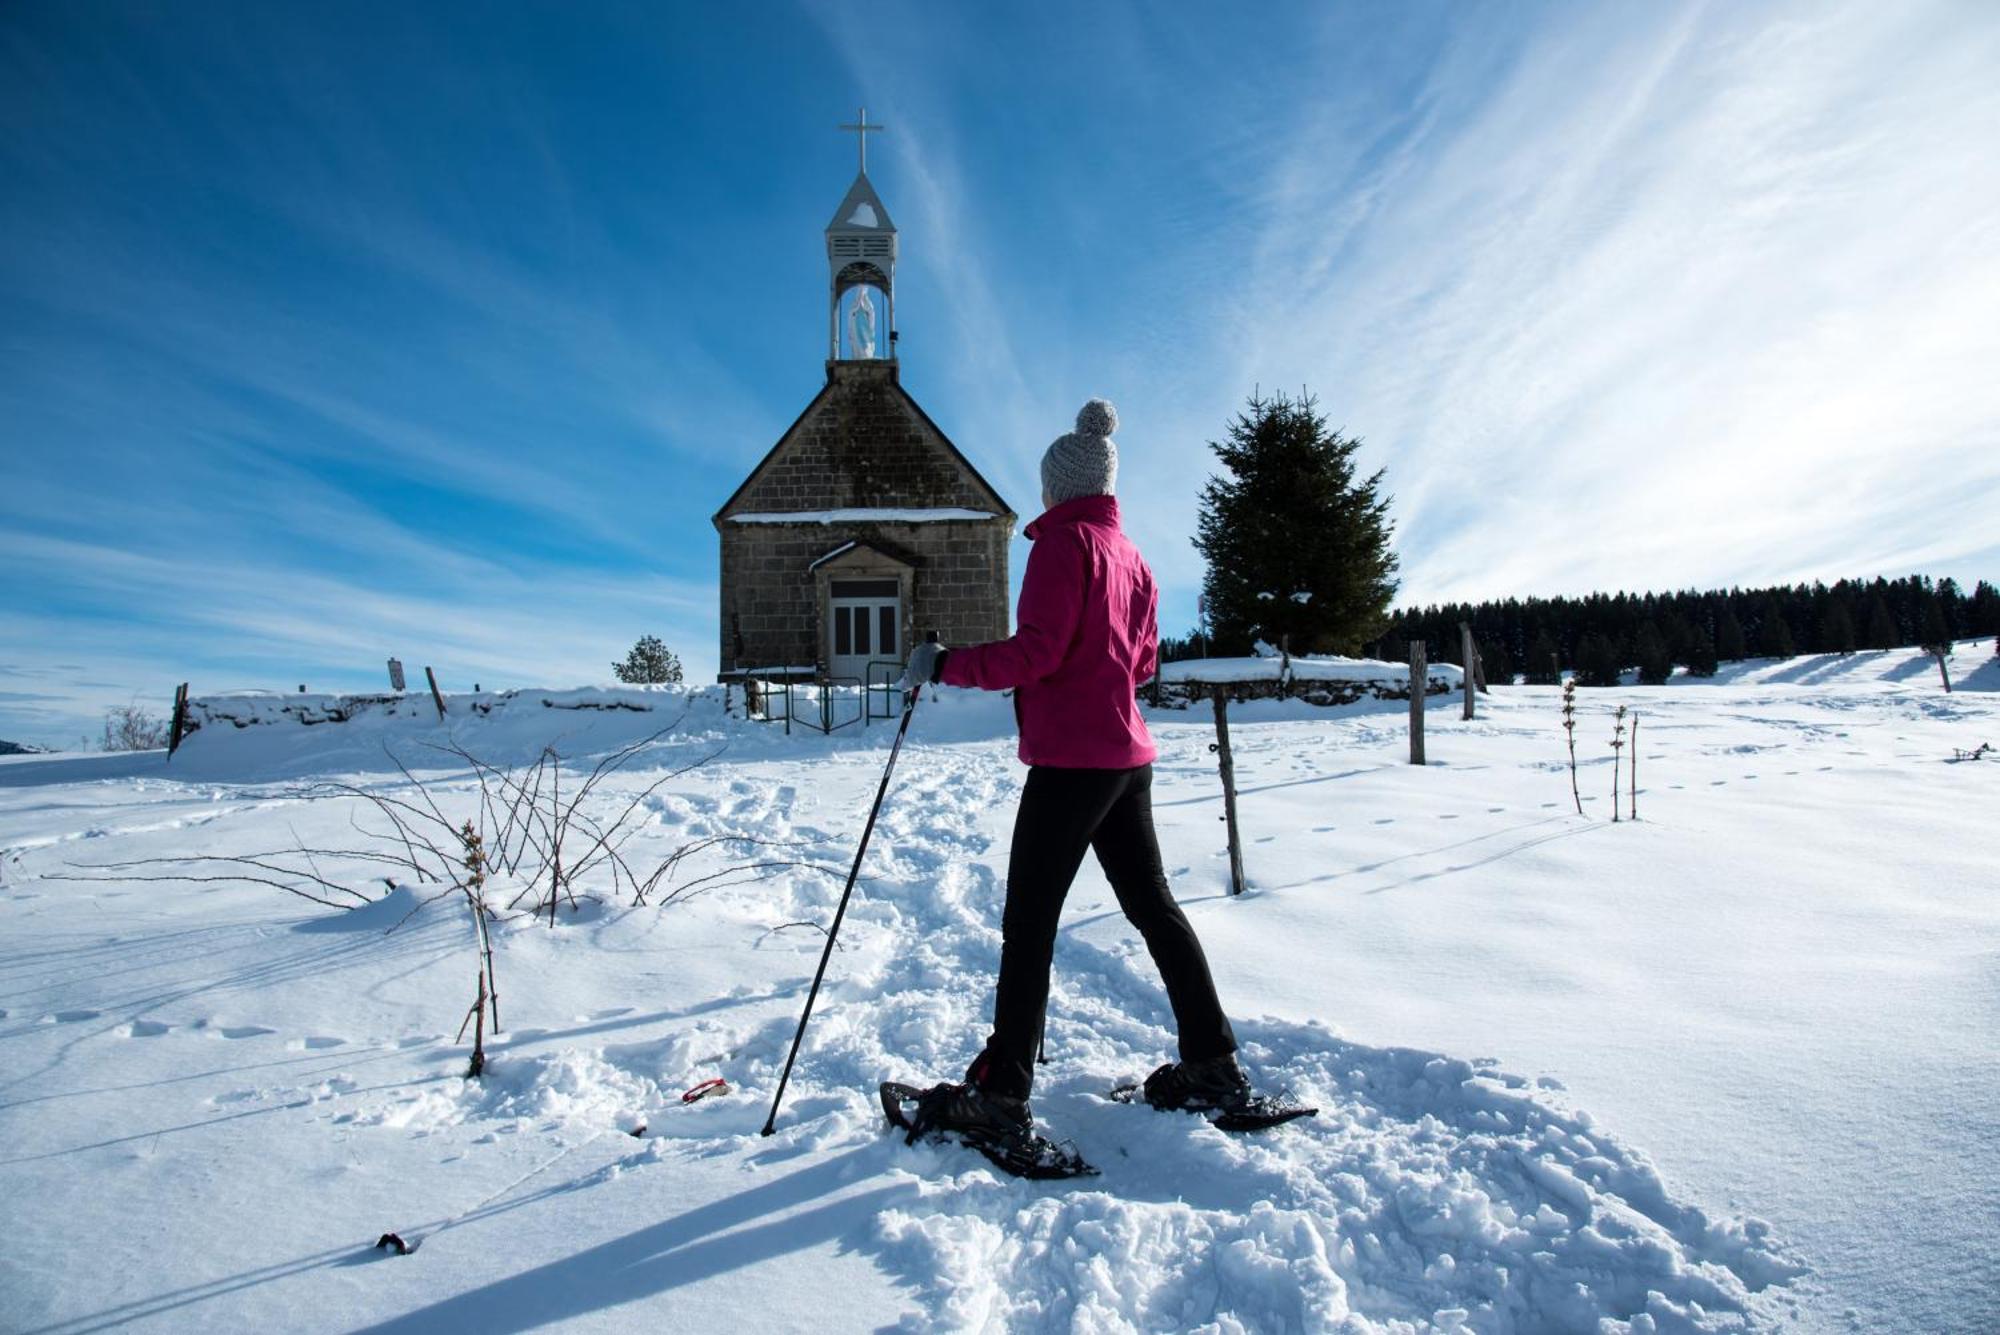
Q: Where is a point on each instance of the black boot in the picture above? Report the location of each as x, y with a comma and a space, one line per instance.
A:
997, 1126
968, 1108
1217, 1088
1212, 1084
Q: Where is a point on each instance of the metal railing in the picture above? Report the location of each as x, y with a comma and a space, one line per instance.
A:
825, 704
884, 691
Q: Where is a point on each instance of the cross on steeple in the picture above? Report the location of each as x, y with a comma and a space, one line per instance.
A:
860, 129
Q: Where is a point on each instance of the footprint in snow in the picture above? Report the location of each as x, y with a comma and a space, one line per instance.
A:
316, 1043
71, 1017
146, 1029
418, 1040
245, 1031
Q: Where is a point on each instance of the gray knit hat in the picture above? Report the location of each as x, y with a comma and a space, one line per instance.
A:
1084, 462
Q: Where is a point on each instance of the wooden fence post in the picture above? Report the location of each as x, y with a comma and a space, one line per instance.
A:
1228, 766
180, 719
436, 698
1419, 681
1468, 654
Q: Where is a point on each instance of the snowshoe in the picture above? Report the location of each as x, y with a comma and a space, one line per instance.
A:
1218, 1090
985, 1124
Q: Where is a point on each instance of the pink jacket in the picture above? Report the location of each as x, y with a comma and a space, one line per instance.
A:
1086, 636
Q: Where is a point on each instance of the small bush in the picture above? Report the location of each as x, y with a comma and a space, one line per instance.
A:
650, 663
131, 728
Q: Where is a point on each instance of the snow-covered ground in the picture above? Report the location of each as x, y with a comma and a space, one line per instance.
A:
1729, 1066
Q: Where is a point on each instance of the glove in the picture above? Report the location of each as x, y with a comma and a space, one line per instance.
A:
925, 666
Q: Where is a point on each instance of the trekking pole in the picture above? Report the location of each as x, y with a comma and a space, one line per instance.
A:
909, 708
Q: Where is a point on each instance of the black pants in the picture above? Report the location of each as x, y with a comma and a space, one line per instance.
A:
1063, 812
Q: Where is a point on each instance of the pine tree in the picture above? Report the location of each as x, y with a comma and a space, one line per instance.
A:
1544, 665
1597, 660
1937, 629
1836, 629
650, 663
1296, 545
1729, 643
1651, 652
1952, 604
1701, 658
1881, 625
1774, 636
1982, 611
1937, 636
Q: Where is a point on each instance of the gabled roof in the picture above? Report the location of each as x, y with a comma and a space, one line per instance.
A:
862, 210
981, 487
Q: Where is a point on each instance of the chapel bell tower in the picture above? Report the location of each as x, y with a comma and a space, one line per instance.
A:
861, 263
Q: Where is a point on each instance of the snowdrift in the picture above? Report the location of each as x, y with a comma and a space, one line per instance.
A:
1712, 1070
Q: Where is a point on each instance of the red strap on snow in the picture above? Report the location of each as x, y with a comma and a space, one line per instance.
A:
705, 1088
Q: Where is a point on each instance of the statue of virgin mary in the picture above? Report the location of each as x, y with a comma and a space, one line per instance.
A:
861, 325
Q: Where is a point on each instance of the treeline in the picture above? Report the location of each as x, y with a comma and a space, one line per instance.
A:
1600, 635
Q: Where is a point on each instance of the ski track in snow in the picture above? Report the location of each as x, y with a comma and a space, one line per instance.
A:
1431, 1193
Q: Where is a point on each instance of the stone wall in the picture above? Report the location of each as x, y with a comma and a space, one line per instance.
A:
956, 584
1182, 694
863, 442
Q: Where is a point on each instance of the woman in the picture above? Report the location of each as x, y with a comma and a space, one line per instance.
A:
1087, 638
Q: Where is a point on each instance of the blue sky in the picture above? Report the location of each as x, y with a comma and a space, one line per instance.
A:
331, 332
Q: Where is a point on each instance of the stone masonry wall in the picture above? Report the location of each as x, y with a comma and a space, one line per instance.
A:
770, 612
863, 444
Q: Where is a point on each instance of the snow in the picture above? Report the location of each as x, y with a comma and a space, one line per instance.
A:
1366, 671
865, 515
837, 551
864, 215
1725, 1067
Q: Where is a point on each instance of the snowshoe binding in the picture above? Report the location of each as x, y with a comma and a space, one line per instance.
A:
1217, 1089
998, 1128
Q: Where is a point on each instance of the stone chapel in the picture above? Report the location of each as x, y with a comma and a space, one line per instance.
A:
864, 528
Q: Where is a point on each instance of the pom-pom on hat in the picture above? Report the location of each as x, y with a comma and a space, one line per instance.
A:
1084, 462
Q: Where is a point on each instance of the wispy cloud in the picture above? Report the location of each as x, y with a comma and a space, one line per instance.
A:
1620, 298
1698, 295
455, 359
228, 626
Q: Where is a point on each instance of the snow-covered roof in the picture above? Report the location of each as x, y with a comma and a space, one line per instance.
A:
869, 514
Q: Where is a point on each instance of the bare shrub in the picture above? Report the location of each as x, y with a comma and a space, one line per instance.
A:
131, 728
531, 847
